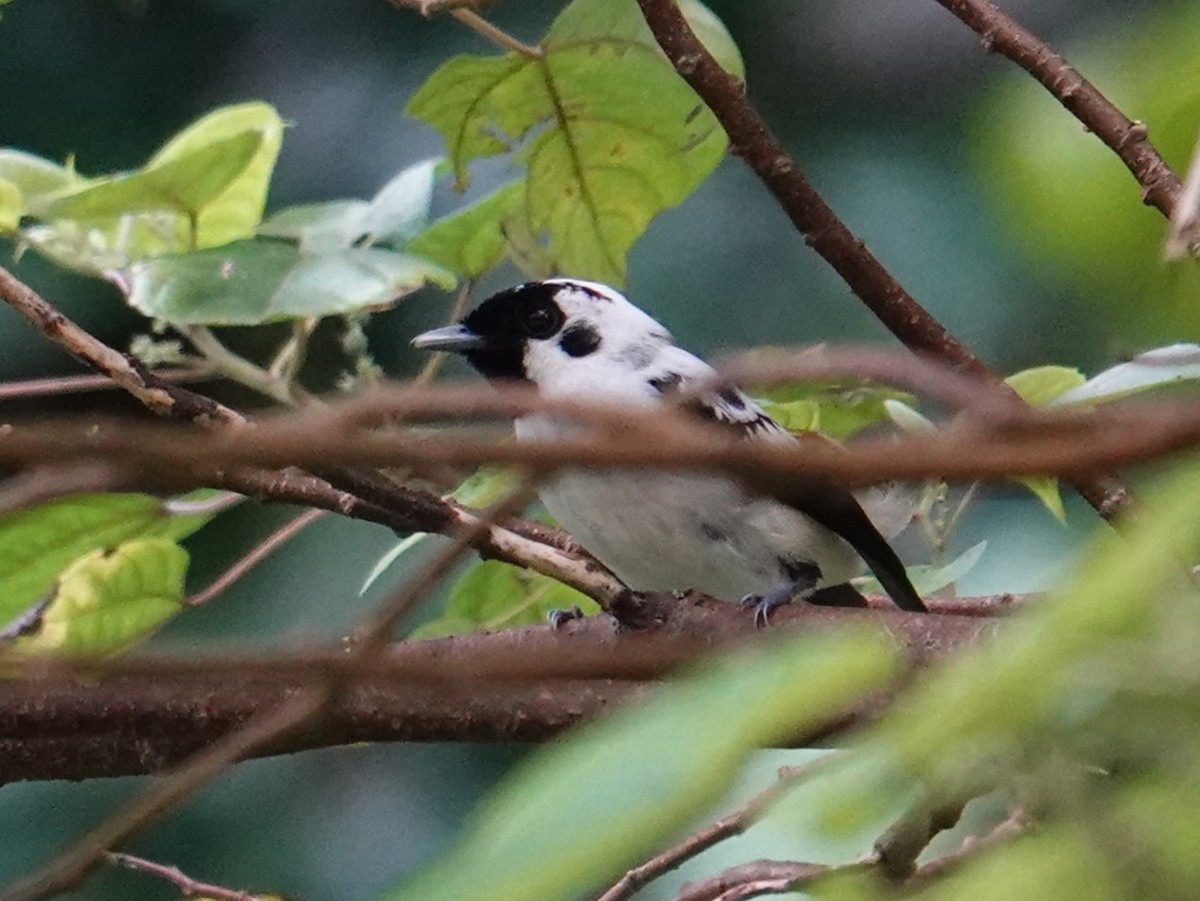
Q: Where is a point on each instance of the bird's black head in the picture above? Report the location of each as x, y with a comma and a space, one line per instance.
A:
497, 336
506, 322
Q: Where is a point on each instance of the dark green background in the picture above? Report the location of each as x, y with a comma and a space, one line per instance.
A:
910, 131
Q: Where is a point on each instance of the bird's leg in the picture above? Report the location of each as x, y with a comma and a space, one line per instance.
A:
802, 578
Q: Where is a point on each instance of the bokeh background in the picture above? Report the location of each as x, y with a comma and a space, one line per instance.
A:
990, 204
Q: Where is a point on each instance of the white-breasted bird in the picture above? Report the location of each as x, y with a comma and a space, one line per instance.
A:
660, 530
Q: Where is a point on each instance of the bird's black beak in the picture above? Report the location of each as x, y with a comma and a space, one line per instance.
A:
454, 338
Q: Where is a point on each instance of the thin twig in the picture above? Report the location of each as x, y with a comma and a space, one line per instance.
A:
1129, 140
751, 139
79, 384
256, 555
727, 827
1017, 823
497, 36
237, 367
764, 877
184, 884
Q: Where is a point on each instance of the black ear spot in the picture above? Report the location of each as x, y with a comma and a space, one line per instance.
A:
579, 340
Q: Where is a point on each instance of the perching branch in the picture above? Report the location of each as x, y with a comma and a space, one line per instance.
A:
1128, 139
137, 715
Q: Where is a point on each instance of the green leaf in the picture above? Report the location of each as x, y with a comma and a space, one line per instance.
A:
35, 178
401, 208
1152, 369
258, 281
472, 240
795, 415
582, 810
1043, 384
838, 408
107, 601
12, 207
185, 185
235, 212
927, 579
204, 188
39, 543
493, 595
609, 133
1046, 490
316, 227
1039, 387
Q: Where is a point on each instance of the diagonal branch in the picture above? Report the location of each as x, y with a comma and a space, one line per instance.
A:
1126, 138
751, 139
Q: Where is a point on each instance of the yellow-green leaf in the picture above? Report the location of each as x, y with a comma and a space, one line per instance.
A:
609, 133
235, 212
107, 601
1042, 384
38, 543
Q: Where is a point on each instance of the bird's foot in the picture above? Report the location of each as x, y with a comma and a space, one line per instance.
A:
763, 604
557, 618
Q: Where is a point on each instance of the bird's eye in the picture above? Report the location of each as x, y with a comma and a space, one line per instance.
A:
542, 321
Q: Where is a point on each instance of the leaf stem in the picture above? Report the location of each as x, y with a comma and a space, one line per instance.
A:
496, 35
256, 555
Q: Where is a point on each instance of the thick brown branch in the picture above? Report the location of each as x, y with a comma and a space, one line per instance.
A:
1002, 34
140, 716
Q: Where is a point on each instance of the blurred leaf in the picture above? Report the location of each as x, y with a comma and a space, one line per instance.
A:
34, 178
610, 134
472, 240
837, 408
795, 415
316, 227
487, 485
1052, 181
258, 281
239, 208
107, 601
1042, 384
482, 488
39, 543
908, 419
582, 810
996, 695
384, 563
494, 595
1151, 369
11, 206
928, 579
401, 208
1056, 863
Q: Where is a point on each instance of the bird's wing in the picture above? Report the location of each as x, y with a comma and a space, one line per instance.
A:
817, 497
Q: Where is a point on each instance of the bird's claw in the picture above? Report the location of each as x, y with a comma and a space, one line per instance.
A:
557, 618
763, 604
